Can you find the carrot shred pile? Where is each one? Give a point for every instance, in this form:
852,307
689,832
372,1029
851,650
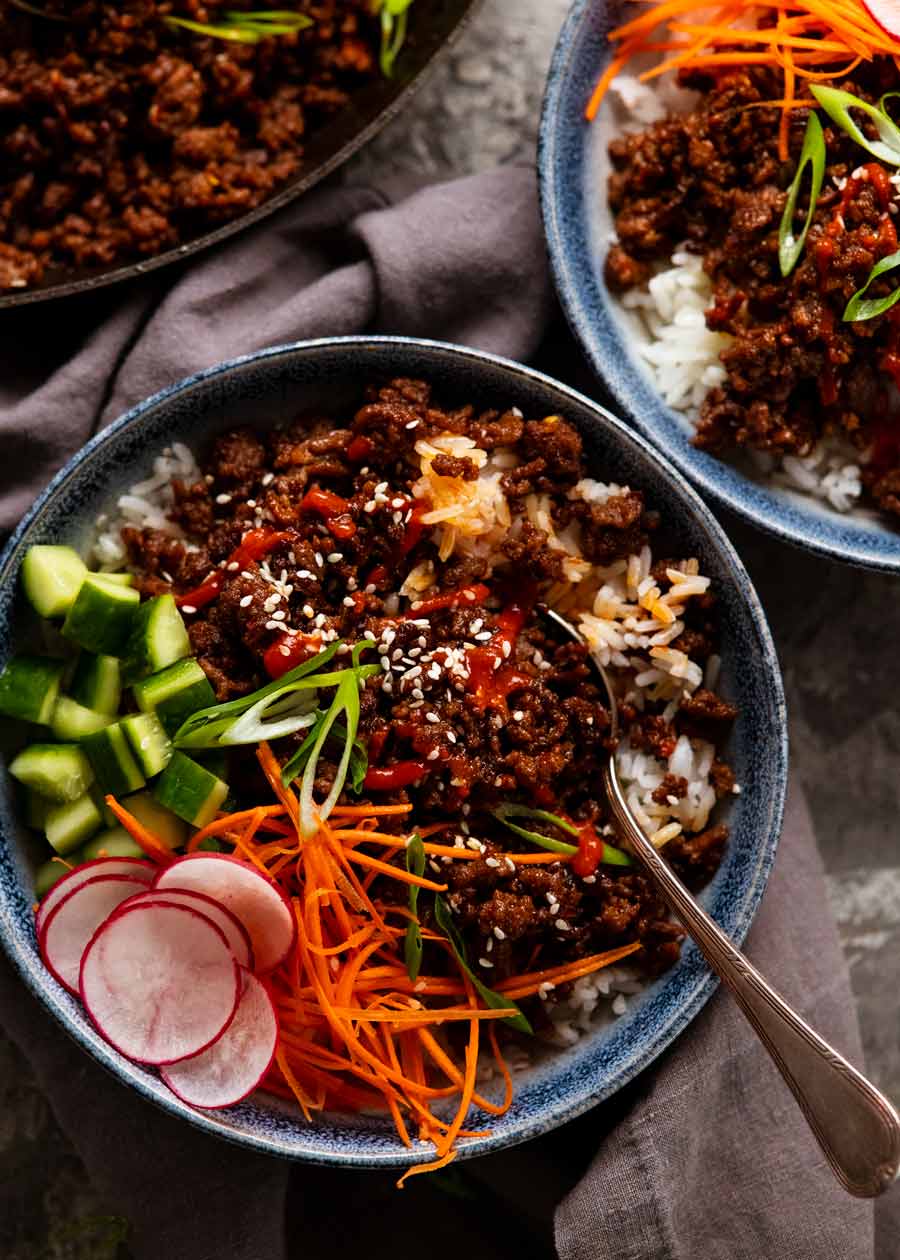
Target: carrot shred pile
356,1033
814,40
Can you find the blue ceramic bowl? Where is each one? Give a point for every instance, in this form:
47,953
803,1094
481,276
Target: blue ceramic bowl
275,384
573,167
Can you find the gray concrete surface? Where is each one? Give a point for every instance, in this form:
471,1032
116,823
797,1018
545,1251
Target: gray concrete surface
837,630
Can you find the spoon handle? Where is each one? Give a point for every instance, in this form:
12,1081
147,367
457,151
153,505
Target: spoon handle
855,1125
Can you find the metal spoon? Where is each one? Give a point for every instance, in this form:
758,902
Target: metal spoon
855,1125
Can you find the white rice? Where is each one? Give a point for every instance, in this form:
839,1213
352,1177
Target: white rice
145,504
682,355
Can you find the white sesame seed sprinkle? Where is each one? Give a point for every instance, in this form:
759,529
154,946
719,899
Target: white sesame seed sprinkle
188,608
334,556
222,499
348,601
246,601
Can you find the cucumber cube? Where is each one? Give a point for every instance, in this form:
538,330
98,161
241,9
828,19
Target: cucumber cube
51,577
49,874
158,639
149,742
102,615
29,686
189,791
97,683
175,693
161,822
117,579
114,842
68,826
114,765
72,721
60,772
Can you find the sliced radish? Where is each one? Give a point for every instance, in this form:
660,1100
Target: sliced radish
135,868
160,982
72,922
235,1064
260,905
887,14
235,932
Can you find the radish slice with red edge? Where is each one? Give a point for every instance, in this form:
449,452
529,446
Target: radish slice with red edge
160,982
134,868
259,904
237,1063
887,14
235,932
72,922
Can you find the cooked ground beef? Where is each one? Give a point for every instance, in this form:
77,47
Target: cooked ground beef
334,511
121,137
713,178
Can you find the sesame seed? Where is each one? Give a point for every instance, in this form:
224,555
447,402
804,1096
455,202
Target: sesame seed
268,479
251,503
498,932
485,962
491,861
369,634
590,879
334,556
274,625
381,487
518,715
412,424
223,499
308,610
385,662
369,506
506,647
433,755
451,737
246,601
232,566
562,926
319,560
245,573
398,503
188,608
511,864
305,573
418,693
348,601
490,945
432,717
280,615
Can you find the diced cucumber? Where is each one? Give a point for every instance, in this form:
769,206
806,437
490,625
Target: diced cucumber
175,693
97,683
158,639
168,829
117,579
114,765
102,615
60,772
29,686
68,826
149,742
115,842
98,796
72,721
189,791
52,577
49,874
36,809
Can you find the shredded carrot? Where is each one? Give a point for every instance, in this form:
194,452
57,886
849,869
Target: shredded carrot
355,1031
141,835
834,34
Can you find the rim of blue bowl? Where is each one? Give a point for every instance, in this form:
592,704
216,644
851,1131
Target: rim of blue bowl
565,1108
563,162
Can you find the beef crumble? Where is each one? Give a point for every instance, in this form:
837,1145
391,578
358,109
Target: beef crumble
121,137
466,713
712,178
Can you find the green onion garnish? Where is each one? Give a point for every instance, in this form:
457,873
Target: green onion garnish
359,759
33,11
812,154
412,945
346,705
857,309
394,16
611,855
837,105
247,26
496,1001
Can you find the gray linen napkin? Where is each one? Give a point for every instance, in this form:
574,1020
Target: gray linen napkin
705,1156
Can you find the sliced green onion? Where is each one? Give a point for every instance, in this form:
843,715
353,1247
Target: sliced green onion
412,945
496,1001
394,18
247,27
857,309
611,855
345,704
218,717
273,717
812,154
359,758
505,812
837,105
33,11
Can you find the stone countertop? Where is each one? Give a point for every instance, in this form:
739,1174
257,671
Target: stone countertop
837,632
